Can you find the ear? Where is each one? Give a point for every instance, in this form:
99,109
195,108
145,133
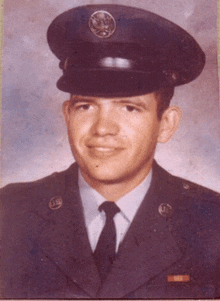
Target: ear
169,123
66,109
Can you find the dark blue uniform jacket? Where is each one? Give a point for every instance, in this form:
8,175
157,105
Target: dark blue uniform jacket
46,253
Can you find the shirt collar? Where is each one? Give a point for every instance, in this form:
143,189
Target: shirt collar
128,204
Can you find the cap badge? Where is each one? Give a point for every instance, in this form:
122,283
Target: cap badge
165,210
55,203
102,24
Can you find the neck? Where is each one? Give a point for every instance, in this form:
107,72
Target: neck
115,190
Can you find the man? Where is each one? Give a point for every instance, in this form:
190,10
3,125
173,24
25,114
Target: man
115,224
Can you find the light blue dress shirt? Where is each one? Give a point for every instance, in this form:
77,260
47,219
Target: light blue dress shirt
95,220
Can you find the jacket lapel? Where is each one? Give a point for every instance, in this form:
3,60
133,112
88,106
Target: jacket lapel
148,247
63,238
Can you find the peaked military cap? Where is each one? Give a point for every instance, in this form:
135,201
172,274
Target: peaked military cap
120,51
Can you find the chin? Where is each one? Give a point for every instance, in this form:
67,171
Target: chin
104,175
107,177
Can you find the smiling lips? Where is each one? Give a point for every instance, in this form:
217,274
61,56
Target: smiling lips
103,151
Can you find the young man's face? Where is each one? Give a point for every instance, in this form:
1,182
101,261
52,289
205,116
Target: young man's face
113,140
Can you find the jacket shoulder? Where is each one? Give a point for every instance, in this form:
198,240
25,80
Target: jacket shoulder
54,183
195,191
194,219
200,204
184,188
192,189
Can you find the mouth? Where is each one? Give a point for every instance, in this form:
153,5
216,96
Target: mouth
104,151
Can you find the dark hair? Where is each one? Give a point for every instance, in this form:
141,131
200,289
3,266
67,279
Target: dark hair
163,97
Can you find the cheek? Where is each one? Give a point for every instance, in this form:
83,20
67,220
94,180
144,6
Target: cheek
143,131
77,129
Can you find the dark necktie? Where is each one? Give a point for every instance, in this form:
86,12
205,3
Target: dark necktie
104,254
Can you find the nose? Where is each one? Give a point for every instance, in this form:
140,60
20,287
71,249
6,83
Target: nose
105,123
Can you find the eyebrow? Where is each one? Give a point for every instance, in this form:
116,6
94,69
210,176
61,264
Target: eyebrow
78,99
132,102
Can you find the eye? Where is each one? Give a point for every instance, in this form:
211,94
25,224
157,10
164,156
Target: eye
83,106
130,108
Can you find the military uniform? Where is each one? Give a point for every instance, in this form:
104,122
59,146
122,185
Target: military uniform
172,247
171,250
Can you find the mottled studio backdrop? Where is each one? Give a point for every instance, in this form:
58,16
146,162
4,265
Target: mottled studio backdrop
34,135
